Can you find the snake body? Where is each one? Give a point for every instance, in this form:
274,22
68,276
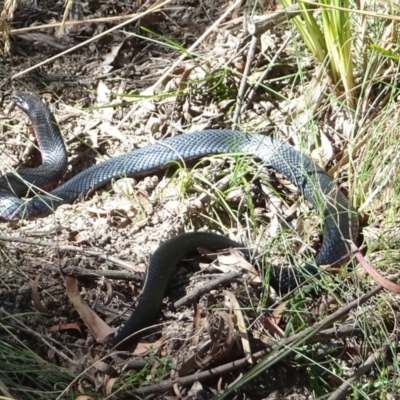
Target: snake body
340,221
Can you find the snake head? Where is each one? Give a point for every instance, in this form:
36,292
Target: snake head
26,102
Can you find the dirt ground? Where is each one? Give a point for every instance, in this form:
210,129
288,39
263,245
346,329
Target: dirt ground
129,219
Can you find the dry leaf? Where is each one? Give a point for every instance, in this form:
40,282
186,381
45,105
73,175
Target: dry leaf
66,327
79,237
270,322
104,367
99,329
110,384
241,325
143,348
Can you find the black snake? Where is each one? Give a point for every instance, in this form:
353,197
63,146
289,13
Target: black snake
340,221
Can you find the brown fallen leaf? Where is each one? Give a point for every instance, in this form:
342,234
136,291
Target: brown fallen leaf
80,237
271,322
109,385
84,397
104,367
99,329
241,325
277,313
66,327
197,315
124,223
143,348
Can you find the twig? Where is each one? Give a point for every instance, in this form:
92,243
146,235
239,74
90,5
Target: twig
243,83
341,391
279,349
206,287
206,198
254,87
87,252
109,274
336,333
259,25
198,41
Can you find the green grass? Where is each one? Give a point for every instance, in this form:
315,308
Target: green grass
26,375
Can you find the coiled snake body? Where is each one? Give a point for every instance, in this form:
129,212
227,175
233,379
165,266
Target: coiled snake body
340,222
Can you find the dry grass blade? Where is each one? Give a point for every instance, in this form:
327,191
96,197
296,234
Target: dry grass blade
241,324
68,7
